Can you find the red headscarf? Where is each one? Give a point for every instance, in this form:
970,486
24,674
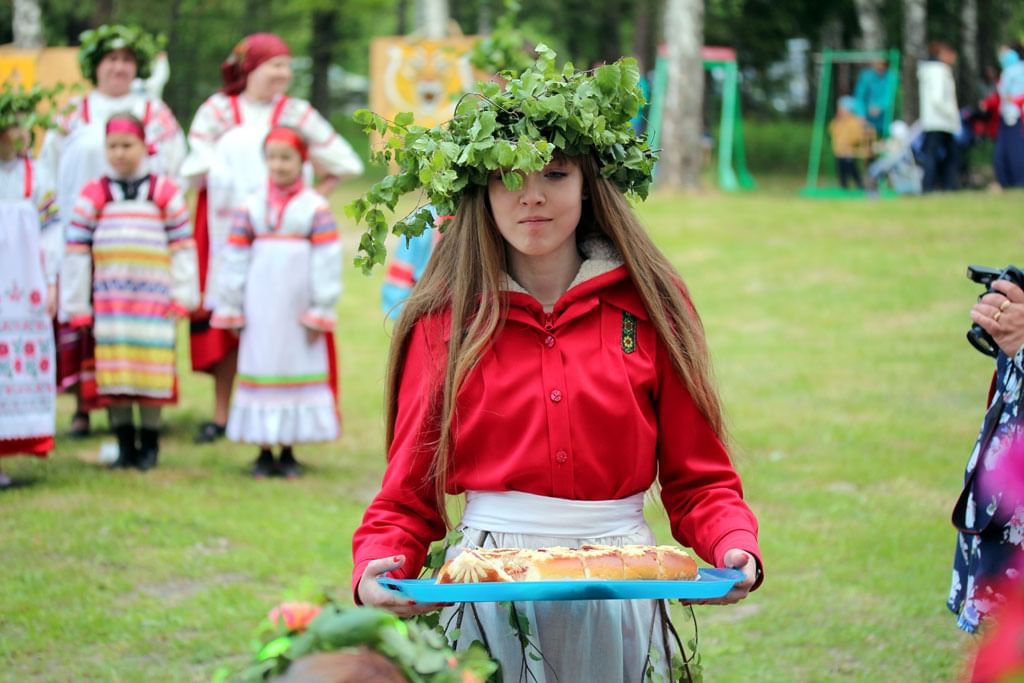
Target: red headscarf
290,137
250,52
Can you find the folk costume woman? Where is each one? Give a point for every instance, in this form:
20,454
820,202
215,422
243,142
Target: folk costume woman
111,57
279,282
550,366
29,253
129,273
226,162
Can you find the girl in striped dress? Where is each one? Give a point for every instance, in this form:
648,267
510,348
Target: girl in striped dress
279,283
130,272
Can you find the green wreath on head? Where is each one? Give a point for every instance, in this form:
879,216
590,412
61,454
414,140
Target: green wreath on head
20,107
98,43
513,131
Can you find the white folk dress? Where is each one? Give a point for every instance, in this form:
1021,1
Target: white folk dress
130,271
279,284
28,391
226,141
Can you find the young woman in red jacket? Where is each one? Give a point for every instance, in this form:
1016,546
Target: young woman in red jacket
550,366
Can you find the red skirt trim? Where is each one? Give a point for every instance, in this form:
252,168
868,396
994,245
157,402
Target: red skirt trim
207,345
76,364
332,373
38,446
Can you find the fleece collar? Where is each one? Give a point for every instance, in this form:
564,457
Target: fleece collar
599,257
602,276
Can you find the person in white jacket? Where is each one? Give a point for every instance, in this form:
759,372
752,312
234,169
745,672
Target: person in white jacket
939,117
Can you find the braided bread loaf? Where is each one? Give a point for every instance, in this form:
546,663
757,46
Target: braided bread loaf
481,565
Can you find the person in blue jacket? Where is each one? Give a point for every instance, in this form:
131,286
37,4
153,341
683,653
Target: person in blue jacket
407,264
873,93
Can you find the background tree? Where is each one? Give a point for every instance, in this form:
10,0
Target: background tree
644,28
872,31
432,18
970,71
324,35
27,24
682,117
915,16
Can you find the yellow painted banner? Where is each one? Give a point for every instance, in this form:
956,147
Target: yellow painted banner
426,77
47,67
18,69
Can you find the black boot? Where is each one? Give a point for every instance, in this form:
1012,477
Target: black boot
149,448
263,467
287,465
127,455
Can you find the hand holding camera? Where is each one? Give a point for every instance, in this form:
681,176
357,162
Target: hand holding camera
999,314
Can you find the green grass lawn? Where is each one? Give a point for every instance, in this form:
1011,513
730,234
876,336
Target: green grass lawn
837,330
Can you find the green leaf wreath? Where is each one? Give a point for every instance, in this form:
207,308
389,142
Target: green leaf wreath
98,42
21,107
513,131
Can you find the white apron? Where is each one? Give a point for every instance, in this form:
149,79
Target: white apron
237,170
283,395
617,633
28,391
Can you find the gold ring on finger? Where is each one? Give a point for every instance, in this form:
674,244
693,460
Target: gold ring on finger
1003,306
996,316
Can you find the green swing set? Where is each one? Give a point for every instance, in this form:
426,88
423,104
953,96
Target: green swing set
826,105
733,174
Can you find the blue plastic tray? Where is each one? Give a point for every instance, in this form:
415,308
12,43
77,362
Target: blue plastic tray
710,583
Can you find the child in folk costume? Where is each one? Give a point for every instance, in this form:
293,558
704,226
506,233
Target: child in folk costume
279,282
551,367
226,162
406,267
73,153
29,255
130,272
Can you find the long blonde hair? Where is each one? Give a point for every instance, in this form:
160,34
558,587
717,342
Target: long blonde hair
465,275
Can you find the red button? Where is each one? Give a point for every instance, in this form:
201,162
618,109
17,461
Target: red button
556,396
561,457
549,341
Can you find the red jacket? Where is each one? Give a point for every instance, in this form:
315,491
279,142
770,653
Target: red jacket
563,405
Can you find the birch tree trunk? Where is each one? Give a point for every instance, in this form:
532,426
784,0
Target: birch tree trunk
872,32
970,72
682,120
27,24
915,15
432,18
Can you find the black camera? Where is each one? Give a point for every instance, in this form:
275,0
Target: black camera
979,338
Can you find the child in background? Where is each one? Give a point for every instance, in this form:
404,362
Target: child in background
279,283
406,266
851,140
130,271
895,161
28,267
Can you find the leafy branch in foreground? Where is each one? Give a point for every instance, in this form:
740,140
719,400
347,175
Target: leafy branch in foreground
421,653
511,131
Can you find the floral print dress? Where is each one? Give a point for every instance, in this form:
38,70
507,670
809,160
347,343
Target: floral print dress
989,515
